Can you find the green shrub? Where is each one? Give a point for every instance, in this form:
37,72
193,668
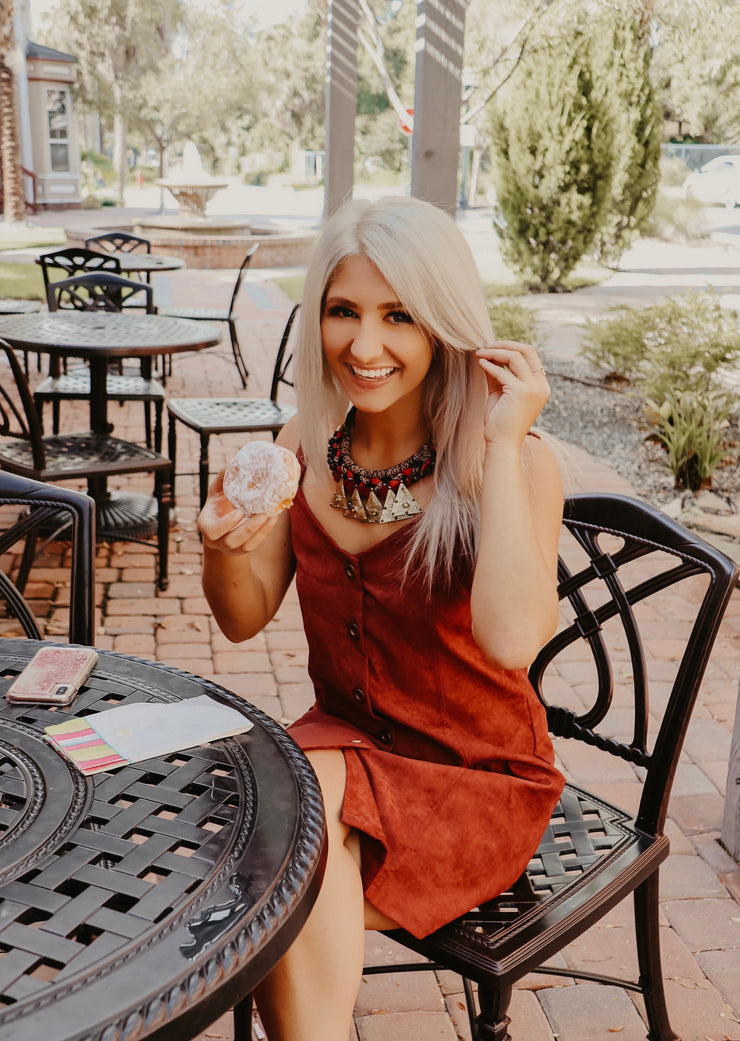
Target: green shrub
690,425
512,321
680,343
677,220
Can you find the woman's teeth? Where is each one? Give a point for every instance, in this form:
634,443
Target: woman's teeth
372,374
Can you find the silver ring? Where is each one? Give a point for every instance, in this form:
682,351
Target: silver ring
541,369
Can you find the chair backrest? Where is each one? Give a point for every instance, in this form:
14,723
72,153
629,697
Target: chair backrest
97,291
240,276
62,263
623,556
281,372
119,242
29,509
19,418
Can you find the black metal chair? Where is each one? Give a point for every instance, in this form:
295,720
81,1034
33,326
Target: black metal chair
623,554
119,242
228,315
30,510
75,260
89,456
101,291
209,416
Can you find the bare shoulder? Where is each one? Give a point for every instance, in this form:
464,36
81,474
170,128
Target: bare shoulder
288,436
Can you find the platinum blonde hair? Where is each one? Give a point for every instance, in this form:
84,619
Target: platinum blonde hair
421,253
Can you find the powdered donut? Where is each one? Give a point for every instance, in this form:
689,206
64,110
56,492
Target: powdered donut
262,478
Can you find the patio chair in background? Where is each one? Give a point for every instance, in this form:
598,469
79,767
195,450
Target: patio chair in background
101,291
30,510
211,416
89,456
228,315
623,554
119,242
75,260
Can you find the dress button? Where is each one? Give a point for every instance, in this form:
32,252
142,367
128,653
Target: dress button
358,694
386,737
349,570
353,631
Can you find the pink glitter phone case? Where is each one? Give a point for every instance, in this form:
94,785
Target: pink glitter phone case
53,675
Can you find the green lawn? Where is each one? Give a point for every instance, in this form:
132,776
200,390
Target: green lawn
21,281
25,236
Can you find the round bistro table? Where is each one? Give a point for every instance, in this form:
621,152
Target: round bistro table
145,902
102,337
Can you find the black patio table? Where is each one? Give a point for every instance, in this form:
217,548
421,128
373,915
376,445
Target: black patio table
146,901
143,263
102,337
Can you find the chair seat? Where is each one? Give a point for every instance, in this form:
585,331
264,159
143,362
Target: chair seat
591,855
77,385
220,415
81,455
203,314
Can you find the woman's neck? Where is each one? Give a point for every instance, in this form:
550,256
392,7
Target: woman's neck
379,440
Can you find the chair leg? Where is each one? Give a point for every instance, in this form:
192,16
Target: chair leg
27,558
148,424
493,1022
243,1019
163,492
172,450
647,935
237,352
203,469
158,434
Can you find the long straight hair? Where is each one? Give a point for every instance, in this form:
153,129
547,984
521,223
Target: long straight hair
421,253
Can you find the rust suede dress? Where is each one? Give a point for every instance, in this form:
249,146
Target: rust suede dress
450,772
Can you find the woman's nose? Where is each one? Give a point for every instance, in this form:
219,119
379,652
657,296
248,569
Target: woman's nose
367,344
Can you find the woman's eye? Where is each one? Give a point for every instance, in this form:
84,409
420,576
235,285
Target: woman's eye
339,311
398,317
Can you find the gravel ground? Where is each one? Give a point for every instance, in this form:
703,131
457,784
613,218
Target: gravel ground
610,424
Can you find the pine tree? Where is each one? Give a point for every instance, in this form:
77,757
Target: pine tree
553,162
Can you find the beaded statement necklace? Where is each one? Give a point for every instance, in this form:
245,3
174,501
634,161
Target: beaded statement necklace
375,496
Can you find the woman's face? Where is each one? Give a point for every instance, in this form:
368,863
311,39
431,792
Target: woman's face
374,350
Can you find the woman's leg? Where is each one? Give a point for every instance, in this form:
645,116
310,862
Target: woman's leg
311,992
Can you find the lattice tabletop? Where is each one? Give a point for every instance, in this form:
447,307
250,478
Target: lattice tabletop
144,902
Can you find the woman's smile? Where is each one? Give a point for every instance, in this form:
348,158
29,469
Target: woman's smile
375,351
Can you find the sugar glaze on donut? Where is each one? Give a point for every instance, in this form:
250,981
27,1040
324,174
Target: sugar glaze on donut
262,478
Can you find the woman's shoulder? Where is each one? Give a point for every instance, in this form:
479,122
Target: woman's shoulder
289,436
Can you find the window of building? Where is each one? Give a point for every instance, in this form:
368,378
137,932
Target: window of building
57,107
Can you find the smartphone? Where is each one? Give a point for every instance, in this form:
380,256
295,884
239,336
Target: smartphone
54,675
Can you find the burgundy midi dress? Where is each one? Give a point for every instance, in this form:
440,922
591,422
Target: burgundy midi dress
450,768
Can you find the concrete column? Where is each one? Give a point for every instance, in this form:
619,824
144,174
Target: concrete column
731,823
435,145
341,102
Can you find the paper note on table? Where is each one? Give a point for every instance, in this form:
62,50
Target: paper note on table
130,733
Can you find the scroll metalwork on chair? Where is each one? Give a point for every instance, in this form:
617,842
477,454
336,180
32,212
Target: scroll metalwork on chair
623,561
103,291
228,315
93,457
209,416
30,510
75,260
119,242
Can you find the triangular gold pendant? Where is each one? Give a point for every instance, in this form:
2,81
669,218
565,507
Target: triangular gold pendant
339,502
387,514
355,509
373,508
405,504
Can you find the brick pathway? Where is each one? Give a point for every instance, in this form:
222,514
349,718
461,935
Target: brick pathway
701,883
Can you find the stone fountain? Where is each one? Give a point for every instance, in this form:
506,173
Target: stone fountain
190,185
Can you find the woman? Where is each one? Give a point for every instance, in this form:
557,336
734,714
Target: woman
424,543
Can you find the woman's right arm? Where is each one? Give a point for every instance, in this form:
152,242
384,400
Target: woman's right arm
248,564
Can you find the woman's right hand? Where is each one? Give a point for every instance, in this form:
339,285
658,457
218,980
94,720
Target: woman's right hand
225,528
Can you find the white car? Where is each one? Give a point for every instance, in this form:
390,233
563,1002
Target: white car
718,181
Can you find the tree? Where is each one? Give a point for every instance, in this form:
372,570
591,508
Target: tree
14,206
118,41
622,52
553,162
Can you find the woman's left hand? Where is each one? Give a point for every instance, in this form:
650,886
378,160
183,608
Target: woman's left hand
517,389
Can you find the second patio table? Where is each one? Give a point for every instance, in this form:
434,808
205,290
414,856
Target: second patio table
102,337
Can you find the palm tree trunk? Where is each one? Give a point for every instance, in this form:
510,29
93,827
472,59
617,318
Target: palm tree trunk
14,205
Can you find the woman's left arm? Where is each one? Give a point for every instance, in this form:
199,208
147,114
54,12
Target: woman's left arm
514,600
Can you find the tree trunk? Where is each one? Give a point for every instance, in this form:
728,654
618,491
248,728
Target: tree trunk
14,203
119,143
